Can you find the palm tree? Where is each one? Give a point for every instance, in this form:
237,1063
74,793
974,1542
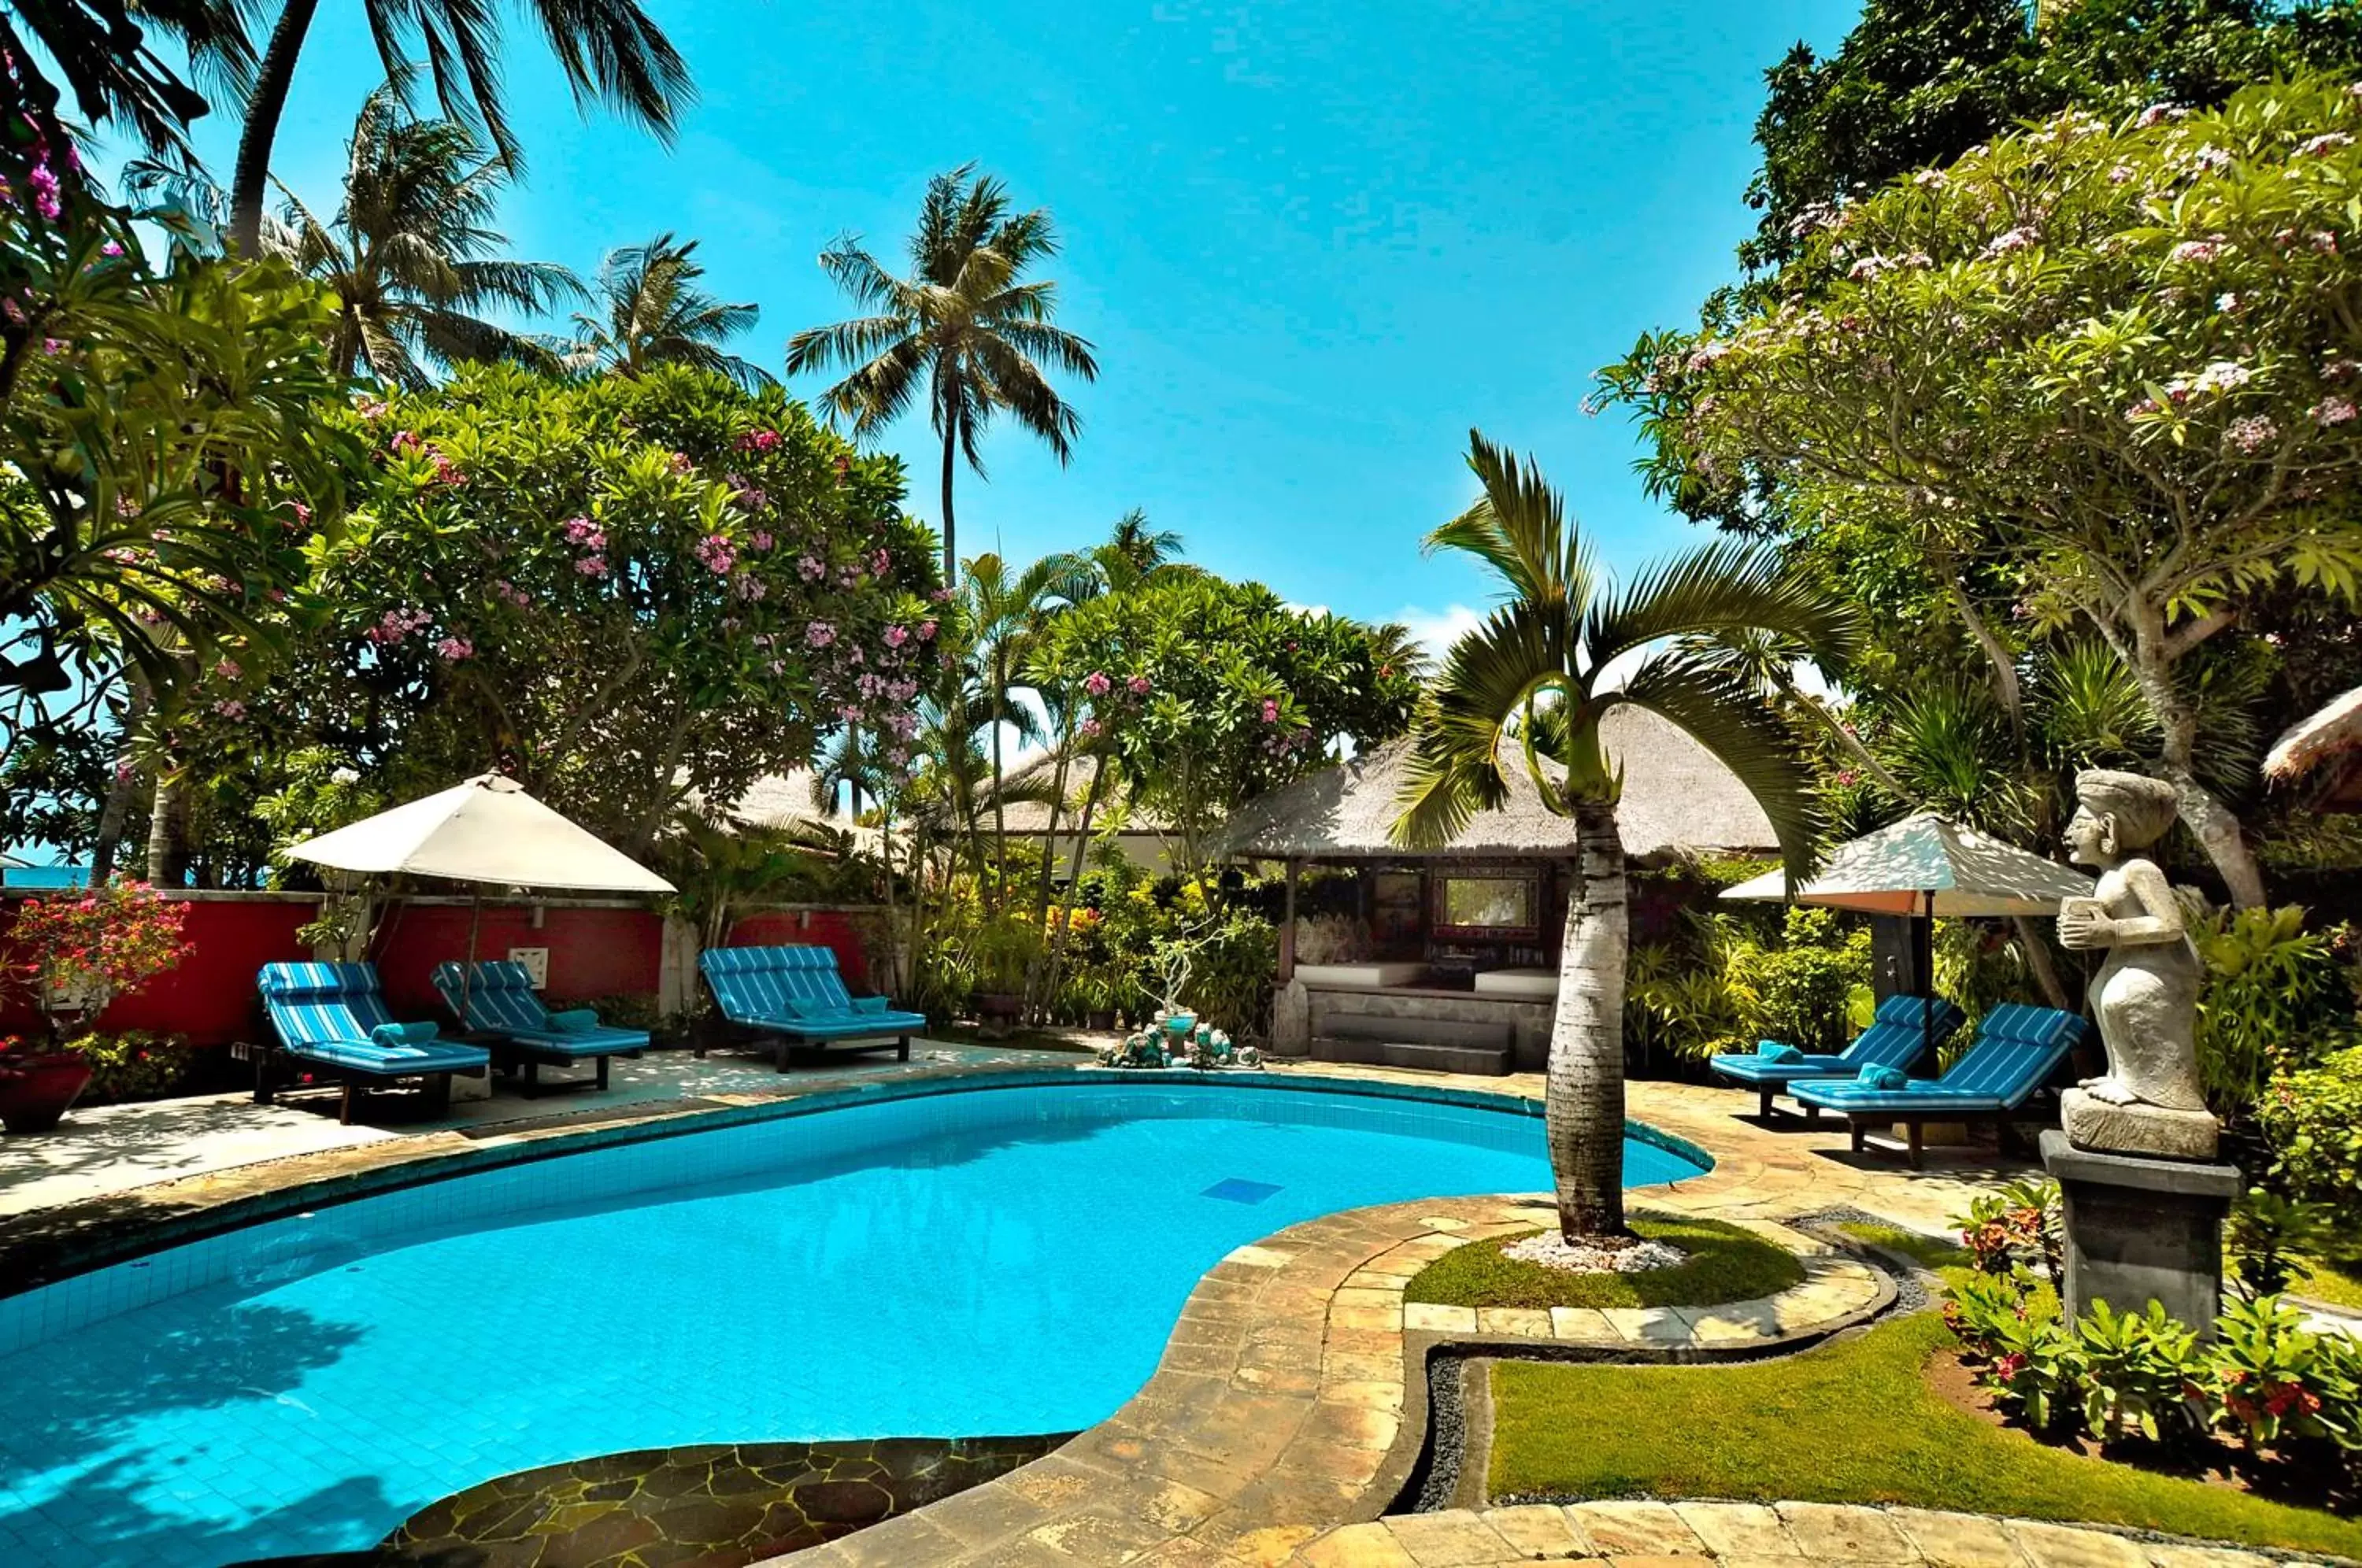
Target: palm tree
650,312
1541,656
610,50
962,327
409,251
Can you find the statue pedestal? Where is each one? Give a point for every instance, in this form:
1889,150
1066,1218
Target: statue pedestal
2141,1230
2090,1122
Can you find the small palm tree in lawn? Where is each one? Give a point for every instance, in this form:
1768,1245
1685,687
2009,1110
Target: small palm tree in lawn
963,330
1530,680
650,312
610,50
411,252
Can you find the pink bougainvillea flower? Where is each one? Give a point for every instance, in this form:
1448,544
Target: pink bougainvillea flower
2332,411
820,635
591,566
1139,685
1097,684
455,649
896,636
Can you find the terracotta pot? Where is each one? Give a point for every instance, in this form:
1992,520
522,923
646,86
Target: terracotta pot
37,1089
999,1004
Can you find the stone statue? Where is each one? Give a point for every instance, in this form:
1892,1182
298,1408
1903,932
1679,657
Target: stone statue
2146,993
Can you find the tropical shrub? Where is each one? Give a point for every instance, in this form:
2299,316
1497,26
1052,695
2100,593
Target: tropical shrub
1730,984
2269,1237
75,953
2276,1385
2276,999
133,1064
2137,1369
2312,1122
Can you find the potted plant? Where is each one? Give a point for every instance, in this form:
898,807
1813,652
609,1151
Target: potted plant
1004,954
71,955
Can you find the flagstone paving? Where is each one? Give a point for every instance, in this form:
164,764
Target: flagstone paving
1739,1535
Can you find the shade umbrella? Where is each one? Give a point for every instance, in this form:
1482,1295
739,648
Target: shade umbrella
1924,867
487,830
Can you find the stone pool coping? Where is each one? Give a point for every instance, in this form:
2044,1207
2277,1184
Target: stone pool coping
1292,1396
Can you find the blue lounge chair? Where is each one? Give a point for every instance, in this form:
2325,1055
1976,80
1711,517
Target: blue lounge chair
333,1018
500,1002
2017,1049
1902,1029
795,995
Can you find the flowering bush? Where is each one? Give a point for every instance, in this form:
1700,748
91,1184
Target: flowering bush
644,589
77,952
2312,1120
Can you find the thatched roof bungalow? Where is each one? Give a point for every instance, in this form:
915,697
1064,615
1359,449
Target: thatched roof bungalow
1451,958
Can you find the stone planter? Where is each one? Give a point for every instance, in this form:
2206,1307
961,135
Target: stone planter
37,1089
997,1013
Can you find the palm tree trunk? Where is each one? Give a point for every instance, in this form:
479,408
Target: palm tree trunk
271,80
950,547
1584,1110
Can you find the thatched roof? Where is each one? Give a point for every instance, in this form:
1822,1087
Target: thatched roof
2333,732
1677,796
2325,751
1025,798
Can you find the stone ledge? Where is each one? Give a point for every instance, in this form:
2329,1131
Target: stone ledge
1748,1534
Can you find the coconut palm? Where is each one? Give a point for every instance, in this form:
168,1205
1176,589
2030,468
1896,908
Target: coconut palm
962,330
650,312
610,50
1546,646
411,253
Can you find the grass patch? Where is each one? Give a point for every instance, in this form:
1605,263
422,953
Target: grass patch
2333,1284
1931,1253
1725,1264
1849,1422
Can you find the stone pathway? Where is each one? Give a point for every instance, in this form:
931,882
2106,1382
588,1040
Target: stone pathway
1661,1535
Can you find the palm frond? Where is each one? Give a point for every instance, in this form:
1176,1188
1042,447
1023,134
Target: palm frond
1518,527
1729,586
1490,677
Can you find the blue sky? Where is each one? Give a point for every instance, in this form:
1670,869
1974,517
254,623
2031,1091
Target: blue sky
1312,242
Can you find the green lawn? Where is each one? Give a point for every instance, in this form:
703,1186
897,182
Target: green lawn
2337,1284
1725,1264
1849,1422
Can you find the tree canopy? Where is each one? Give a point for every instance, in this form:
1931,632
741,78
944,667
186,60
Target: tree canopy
2118,363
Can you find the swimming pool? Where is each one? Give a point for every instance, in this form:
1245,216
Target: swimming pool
998,1260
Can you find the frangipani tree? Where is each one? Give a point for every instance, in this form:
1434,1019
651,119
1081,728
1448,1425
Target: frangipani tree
2121,362
1530,684
1208,692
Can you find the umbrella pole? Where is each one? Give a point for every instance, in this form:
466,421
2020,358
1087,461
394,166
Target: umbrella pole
1925,940
468,963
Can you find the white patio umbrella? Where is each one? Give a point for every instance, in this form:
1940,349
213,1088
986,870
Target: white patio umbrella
1924,866
487,830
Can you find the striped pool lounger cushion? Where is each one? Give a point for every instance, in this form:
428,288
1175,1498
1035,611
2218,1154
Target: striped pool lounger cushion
330,1012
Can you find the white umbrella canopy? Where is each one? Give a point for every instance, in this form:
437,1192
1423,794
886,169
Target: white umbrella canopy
1925,866
487,830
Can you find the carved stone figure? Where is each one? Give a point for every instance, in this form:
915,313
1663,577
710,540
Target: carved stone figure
2146,993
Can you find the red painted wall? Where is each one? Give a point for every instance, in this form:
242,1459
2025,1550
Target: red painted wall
210,997
808,928
592,953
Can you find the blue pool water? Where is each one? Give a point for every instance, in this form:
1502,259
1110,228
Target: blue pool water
1003,1261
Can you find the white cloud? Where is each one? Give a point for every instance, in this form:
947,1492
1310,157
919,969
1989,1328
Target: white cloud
1437,630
